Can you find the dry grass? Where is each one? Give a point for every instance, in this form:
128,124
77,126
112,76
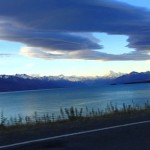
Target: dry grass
69,115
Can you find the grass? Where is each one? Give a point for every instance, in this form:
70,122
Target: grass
73,114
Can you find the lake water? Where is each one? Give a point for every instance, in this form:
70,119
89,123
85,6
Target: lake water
28,102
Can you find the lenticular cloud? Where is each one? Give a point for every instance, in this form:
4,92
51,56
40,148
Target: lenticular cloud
63,29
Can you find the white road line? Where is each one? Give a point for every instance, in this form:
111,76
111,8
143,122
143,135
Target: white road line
72,134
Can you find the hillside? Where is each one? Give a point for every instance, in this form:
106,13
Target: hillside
21,82
133,77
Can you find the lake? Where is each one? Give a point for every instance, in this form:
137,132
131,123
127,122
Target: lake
41,101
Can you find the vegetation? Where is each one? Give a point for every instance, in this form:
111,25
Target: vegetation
74,114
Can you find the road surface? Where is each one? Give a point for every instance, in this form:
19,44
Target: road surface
131,136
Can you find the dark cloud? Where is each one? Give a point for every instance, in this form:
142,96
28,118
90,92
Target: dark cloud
50,40
71,15
140,42
63,27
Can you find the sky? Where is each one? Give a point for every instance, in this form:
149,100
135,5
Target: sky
74,37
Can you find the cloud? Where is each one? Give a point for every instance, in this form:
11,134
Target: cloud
63,29
50,40
82,55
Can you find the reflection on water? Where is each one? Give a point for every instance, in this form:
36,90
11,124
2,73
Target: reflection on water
27,102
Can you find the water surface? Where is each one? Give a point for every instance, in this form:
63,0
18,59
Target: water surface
41,101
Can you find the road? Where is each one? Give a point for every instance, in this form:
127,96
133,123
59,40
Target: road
132,136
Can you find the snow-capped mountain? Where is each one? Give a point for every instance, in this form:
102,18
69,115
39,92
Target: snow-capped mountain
113,74
25,82
24,76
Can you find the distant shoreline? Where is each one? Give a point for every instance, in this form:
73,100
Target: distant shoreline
138,82
21,91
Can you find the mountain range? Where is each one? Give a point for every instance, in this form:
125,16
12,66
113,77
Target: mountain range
21,82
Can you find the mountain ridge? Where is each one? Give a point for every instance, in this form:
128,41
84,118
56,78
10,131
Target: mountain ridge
21,82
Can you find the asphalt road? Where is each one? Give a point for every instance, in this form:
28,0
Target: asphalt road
135,137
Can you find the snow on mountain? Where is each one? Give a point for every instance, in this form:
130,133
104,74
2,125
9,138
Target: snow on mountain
24,76
4,76
112,74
